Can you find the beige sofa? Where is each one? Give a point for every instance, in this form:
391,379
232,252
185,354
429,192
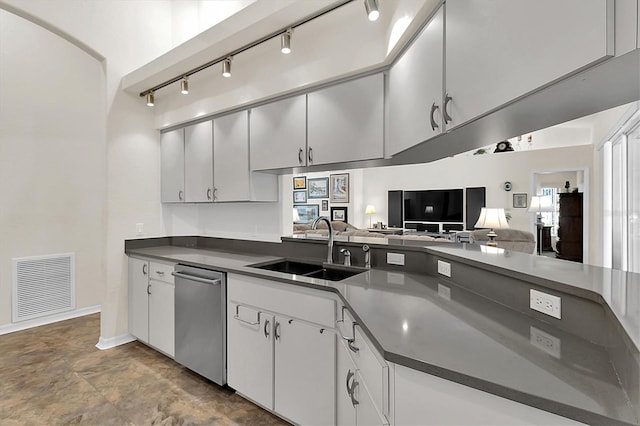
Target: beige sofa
508,239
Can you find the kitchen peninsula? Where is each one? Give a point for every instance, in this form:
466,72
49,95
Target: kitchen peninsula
473,330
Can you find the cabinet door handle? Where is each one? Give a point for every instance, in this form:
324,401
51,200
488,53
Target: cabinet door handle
350,375
148,288
354,386
266,329
144,269
434,125
208,193
350,343
445,114
276,331
310,155
215,193
180,195
300,156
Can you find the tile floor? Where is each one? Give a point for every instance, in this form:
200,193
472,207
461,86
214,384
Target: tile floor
54,375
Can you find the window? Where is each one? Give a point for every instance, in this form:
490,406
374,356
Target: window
620,207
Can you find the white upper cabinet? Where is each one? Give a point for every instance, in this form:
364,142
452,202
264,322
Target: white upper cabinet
500,50
231,157
346,121
231,176
172,167
278,134
415,90
198,160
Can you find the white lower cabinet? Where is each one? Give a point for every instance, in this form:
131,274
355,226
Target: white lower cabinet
162,316
151,304
423,399
250,353
354,405
282,362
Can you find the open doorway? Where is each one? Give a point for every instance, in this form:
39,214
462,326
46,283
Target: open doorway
568,243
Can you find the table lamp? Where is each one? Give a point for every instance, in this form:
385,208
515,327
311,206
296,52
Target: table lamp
370,210
492,219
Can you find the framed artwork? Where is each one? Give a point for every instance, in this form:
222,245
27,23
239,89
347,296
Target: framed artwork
325,205
300,182
339,189
307,212
339,213
318,188
520,201
300,197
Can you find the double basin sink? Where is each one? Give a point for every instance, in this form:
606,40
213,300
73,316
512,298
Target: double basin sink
324,271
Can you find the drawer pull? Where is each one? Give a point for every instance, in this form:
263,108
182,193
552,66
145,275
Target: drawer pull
237,317
160,273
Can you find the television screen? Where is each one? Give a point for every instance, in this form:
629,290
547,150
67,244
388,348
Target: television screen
442,205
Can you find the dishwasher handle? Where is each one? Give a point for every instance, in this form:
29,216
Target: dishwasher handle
194,278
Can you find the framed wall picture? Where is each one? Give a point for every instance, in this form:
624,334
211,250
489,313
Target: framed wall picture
325,205
300,197
339,188
339,213
318,187
307,212
300,182
520,201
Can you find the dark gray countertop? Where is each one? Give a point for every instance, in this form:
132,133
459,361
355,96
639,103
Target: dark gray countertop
461,336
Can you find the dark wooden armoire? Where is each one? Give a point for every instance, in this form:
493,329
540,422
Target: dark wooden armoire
569,246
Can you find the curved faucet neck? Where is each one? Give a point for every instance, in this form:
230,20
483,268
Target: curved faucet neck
314,225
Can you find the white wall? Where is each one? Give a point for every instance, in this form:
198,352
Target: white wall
53,177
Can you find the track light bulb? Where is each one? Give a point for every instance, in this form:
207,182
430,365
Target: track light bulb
285,42
371,6
226,67
184,86
150,99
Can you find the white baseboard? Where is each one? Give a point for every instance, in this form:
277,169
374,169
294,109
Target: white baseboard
12,328
112,342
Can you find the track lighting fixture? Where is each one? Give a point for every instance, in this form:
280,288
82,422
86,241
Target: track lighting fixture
285,42
184,86
226,67
371,6
285,47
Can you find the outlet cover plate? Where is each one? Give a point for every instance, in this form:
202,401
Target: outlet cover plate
444,268
395,259
545,303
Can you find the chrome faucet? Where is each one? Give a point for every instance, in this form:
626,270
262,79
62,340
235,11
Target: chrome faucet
314,225
367,256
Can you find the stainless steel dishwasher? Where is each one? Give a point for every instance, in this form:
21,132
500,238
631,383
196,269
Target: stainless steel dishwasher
201,321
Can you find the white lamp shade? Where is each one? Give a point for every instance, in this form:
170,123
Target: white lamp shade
540,203
296,216
370,209
492,218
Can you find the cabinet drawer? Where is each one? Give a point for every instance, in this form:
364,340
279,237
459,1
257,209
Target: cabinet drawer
161,272
288,299
372,367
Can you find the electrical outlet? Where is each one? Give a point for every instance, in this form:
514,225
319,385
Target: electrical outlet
545,303
444,268
546,342
395,259
444,292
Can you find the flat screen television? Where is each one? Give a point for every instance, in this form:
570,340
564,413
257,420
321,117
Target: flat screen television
441,205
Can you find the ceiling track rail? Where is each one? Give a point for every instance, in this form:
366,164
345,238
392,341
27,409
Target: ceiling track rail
246,47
